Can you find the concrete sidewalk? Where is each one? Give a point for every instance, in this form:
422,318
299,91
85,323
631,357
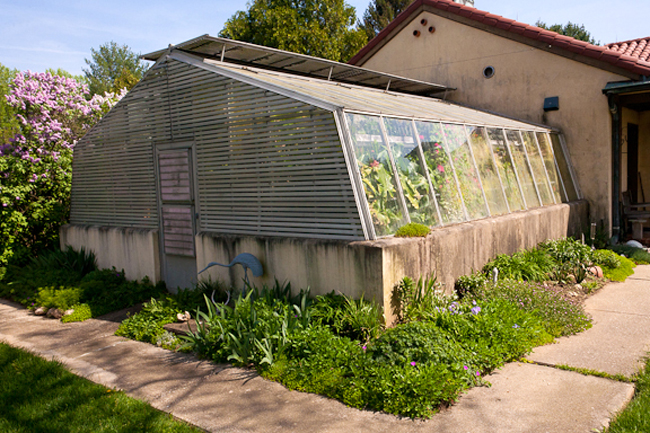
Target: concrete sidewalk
220,398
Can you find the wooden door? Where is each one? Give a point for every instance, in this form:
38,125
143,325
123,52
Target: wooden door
177,221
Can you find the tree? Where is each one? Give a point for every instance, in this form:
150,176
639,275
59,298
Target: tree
52,113
321,28
112,68
8,121
380,13
570,29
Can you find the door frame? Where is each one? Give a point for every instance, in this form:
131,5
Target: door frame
157,149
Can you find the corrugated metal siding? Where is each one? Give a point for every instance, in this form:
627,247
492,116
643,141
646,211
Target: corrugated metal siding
267,164
113,181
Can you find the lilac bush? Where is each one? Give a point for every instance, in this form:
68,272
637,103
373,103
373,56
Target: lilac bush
53,113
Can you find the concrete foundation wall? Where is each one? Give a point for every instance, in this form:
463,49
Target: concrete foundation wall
134,250
368,268
373,268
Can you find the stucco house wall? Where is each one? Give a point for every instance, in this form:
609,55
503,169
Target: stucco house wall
455,55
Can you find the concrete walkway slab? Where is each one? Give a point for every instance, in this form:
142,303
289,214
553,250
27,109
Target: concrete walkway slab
220,398
620,335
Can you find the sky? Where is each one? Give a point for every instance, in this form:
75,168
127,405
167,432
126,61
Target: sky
36,34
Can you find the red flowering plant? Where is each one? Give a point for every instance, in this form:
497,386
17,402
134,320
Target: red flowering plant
53,113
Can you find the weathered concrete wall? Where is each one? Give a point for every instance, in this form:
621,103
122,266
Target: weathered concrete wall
134,250
456,54
353,268
373,268
368,268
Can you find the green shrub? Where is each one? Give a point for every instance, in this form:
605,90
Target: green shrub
107,290
622,272
356,319
569,251
413,301
470,284
559,316
606,258
61,297
412,230
81,312
147,325
637,255
532,265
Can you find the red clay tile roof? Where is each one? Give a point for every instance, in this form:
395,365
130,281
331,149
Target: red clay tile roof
634,59
639,48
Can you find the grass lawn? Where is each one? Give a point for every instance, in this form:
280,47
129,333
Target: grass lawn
41,396
636,417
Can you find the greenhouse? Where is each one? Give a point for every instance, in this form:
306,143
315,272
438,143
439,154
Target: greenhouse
225,146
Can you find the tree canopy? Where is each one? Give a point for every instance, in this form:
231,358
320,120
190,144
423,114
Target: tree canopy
112,68
320,28
51,113
380,13
8,120
570,29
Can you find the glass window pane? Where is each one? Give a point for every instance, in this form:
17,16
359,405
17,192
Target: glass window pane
538,167
549,163
440,171
470,185
487,170
523,170
564,168
411,172
507,172
377,173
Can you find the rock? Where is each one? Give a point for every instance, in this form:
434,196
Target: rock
596,271
183,317
634,243
572,294
40,311
68,312
54,313
578,287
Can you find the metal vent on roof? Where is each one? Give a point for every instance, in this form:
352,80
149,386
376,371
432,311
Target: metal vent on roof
243,53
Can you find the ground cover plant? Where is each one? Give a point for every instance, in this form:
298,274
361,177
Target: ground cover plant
69,279
42,396
338,347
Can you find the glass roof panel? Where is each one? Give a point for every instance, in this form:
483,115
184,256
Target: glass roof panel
549,163
506,169
537,164
523,169
487,170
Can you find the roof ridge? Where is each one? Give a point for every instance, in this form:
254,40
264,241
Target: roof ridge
567,43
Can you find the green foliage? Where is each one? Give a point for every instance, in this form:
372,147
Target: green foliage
412,230
622,272
355,319
559,316
107,290
41,396
637,255
112,68
322,29
530,265
62,298
570,29
568,251
147,325
414,301
8,122
81,312
636,416
470,284
606,258
380,13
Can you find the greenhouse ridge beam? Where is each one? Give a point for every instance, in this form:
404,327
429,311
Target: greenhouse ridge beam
242,53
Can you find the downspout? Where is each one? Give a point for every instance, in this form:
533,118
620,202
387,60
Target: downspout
615,111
